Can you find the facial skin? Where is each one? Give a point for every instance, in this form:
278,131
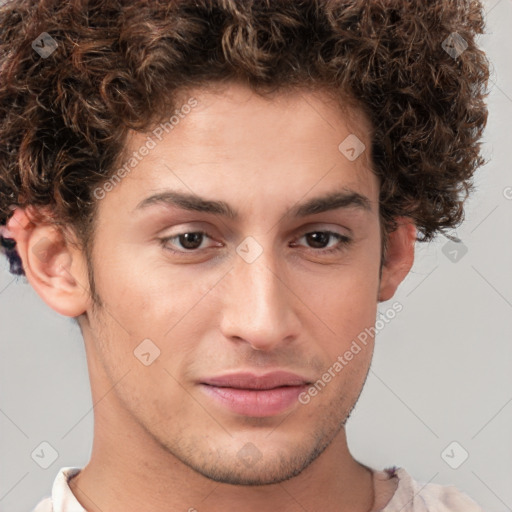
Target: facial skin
160,442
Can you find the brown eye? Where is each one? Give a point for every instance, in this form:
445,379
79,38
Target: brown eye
318,239
321,240
190,240
185,242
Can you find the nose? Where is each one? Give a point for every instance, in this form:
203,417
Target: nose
259,304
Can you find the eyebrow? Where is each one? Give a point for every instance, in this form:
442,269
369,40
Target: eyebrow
332,201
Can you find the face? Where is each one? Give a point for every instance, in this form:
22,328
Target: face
244,243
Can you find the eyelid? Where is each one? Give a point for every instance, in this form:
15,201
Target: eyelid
324,227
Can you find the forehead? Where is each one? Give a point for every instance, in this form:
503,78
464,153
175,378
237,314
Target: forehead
233,142
304,114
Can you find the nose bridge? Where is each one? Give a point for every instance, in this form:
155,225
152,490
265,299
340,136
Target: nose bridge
259,308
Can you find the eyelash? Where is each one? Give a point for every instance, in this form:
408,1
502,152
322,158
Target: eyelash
344,241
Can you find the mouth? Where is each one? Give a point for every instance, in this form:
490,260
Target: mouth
254,395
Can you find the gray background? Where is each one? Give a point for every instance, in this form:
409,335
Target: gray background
441,371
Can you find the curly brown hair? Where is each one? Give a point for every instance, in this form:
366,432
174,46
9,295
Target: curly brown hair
412,66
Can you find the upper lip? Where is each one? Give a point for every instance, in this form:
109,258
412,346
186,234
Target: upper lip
247,380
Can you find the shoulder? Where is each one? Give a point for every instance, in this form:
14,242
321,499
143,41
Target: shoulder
414,496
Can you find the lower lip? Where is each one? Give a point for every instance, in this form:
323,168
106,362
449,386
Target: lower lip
249,402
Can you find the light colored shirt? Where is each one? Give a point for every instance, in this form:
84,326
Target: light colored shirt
410,496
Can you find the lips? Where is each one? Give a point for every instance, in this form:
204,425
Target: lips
252,381
255,395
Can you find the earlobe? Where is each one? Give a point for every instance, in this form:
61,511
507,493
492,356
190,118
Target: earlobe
399,258
51,265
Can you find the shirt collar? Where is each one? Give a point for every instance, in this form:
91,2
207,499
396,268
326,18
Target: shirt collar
62,497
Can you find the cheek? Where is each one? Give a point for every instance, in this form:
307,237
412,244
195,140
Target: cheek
168,305
346,307
144,293
347,296
351,316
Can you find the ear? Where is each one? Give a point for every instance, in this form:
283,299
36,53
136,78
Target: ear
398,259
56,270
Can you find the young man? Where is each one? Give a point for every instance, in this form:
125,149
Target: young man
220,193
